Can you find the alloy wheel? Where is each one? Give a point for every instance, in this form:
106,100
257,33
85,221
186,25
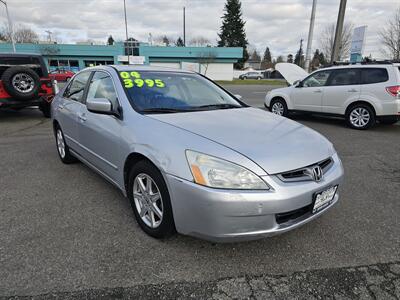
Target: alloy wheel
278,108
60,143
359,117
23,82
148,201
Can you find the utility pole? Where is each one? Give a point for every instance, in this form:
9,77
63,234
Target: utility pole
310,37
339,30
10,27
184,27
49,33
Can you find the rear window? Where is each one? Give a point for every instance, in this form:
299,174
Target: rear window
374,75
31,62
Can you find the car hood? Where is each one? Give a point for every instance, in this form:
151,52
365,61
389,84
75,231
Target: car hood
291,72
275,143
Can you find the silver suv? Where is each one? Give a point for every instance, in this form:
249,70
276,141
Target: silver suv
362,93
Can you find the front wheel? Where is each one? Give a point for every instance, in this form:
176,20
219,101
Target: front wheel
150,200
279,107
360,116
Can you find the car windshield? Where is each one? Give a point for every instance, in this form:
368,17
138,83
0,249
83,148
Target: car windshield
169,92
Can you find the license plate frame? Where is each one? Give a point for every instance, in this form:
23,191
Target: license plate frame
319,202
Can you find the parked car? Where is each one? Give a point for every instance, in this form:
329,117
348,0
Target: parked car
251,75
191,157
24,81
361,93
61,74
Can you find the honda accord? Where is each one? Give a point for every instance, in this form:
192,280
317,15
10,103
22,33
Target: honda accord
191,157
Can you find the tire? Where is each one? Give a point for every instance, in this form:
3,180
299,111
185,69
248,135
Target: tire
244,77
278,106
21,83
150,221
65,156
360,116
45,108
258,78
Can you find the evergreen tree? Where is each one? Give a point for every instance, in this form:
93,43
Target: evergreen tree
255,56
322,59
179,42
165,40
267,56
315,61
289,58
232,30
110,40
279,59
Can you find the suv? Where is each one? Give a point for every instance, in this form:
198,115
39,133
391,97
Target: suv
361,93
25,81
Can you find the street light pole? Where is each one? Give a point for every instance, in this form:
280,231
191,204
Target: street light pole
127,46
310,37
184,26
9,25
339,30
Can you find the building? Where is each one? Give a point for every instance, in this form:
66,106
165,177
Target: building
214,62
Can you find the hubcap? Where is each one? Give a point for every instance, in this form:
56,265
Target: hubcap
148,201
359,117
277,108
23,83
60,143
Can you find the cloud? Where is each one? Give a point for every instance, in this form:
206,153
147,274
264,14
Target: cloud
279,24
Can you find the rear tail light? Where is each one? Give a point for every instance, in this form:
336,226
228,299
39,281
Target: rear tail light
394,90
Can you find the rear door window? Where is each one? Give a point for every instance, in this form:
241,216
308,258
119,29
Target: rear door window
374,75
76,88
344,77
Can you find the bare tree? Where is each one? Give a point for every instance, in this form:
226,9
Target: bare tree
21,34
199,41
327,37
205,58
390,37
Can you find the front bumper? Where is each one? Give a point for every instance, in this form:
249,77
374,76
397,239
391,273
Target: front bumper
237,215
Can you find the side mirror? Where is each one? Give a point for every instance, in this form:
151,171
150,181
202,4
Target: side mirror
238,97
100,106
298,84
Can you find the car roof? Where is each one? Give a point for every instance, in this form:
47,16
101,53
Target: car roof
352,66
142,68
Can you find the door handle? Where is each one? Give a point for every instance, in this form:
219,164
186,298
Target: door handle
82,118
352,91
318,91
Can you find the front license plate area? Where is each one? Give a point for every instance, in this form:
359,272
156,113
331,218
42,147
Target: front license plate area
324,198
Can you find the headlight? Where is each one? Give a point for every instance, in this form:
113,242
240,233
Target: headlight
218,173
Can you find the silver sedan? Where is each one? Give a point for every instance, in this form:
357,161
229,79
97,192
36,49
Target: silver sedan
191,157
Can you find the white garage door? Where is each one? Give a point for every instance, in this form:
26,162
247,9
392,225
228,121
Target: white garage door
166,65
218,71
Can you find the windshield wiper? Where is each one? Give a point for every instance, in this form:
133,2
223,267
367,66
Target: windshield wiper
218,106
162,110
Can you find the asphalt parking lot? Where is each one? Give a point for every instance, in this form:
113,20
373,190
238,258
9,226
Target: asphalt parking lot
67,233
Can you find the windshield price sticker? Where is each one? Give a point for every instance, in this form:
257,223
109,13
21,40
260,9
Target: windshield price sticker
133,78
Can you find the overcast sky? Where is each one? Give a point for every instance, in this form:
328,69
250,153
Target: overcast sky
280,24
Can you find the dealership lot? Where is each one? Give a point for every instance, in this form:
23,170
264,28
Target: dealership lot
64,229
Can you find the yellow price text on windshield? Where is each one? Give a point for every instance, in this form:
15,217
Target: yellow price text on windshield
133,79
